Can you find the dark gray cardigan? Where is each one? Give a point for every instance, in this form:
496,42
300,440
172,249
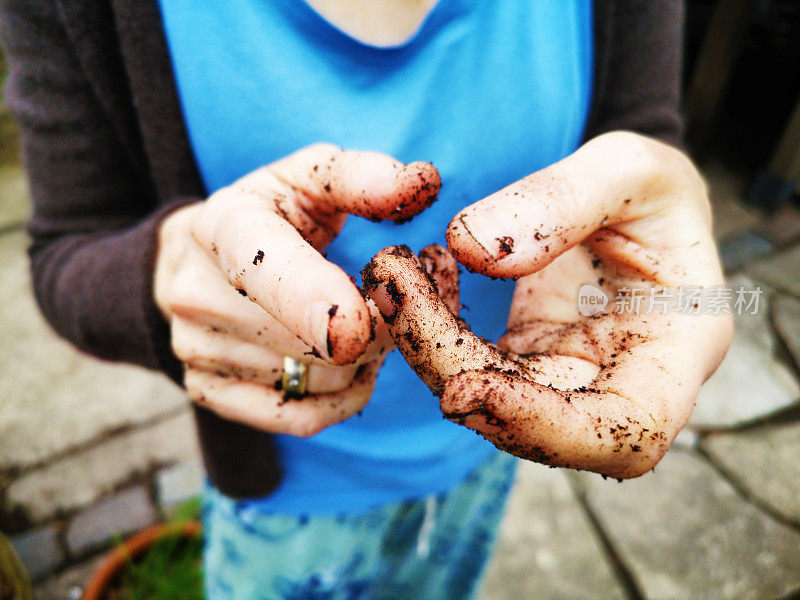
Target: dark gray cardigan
106,150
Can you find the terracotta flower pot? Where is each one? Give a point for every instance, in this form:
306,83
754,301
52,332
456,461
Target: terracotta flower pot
134,547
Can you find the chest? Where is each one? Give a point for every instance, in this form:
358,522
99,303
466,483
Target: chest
488,91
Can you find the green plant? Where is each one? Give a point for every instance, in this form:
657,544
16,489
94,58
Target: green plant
190,509
171,568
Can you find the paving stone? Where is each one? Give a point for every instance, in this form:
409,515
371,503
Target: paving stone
69,584
547,548
764,461
58,398
119,514
742,249
685,533
786,319
178,483
39,550
81,479
780,270
751,382
14,202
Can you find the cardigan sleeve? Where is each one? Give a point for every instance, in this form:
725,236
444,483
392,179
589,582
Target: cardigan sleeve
638,62
95,220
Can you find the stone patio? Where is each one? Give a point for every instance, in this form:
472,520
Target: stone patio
90,450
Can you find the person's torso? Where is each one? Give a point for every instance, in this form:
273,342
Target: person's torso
487,91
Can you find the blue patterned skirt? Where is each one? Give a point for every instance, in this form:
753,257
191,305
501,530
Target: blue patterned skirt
433,548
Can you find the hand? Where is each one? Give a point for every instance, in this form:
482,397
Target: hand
607,392
241,280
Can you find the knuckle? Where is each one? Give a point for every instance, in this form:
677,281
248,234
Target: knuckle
327,380
185,354
623,138
188,344
622,142
179,343
188,354
213,209
183,291
246,192
321,148
227,193
194,388
667,168
307,427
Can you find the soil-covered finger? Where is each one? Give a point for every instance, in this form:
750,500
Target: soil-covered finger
616,179
203,297
265,408
268,262
208,348
368,184
584,429
443,271
434,343
619,423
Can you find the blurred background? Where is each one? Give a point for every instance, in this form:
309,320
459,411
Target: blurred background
91,451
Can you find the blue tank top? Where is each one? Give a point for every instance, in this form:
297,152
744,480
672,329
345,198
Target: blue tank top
487,91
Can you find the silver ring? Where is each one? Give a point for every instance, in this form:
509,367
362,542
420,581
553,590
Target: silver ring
295,377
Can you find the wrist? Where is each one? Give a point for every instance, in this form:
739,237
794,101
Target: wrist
174,235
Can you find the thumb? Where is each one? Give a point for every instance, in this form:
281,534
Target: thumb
615,179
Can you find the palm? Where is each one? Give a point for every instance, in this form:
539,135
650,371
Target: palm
607,392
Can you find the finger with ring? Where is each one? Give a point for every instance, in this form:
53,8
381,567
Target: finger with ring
295,378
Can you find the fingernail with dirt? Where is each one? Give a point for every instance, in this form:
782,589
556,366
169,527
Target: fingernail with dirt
383,300
317,319
486,424
495,230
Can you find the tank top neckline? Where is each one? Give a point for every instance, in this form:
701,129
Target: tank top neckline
310,19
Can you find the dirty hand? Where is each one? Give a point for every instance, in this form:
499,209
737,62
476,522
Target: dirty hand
241,280
606,392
